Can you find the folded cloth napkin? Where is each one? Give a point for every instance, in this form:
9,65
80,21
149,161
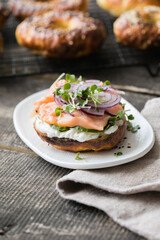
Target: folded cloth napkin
129,193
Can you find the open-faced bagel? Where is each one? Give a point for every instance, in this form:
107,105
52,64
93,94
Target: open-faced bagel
103,142
4,14
27,8
118,7
61,34
139,28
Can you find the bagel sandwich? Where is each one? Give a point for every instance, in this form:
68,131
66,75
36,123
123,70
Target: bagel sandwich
78,115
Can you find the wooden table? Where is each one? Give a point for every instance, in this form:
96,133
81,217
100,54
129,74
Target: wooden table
30,207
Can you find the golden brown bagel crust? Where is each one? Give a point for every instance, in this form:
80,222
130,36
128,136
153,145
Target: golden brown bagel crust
104,142
118,7
4,14
61,34
27,8
139,28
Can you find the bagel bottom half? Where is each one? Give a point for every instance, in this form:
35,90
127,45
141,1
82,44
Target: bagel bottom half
103,142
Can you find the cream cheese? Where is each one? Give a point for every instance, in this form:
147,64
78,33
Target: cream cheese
73,133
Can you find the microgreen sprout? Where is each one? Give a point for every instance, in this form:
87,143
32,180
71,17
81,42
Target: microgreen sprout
72,79
132,128
58,111
117,154
121,115
58,79
67,86
107,82
77,157
77,99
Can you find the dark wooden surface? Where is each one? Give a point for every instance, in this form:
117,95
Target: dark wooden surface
30,207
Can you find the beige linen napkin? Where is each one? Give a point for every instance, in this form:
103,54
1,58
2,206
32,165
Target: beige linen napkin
129,193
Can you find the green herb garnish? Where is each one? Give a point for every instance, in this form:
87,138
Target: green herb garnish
77,157
60,129
58,111
117,154
112,120
130,117
87,130
67,86
70,78
78,99
59,78
107,82
132,128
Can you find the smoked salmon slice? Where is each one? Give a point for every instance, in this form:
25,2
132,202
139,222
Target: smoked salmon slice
46,106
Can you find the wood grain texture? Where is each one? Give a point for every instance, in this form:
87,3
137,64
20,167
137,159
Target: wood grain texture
30,207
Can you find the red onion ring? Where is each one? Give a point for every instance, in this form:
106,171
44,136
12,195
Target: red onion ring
108,104
93,112
108,99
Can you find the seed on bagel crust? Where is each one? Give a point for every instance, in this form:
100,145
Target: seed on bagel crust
27,8
139,28
61,35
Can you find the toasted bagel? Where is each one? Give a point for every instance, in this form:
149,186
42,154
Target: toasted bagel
139,28
104,142
27,8
118,7
61,34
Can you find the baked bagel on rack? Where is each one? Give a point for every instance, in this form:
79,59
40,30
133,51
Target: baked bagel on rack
4,14
27,8
139,28
61,34
118,7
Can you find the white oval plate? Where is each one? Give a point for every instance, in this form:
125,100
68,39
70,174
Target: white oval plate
135,146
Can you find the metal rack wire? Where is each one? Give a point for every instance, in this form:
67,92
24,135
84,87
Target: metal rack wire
16,60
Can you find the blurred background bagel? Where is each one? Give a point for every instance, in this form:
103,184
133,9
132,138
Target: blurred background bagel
117,7
139,28
4,14
61,34
26,8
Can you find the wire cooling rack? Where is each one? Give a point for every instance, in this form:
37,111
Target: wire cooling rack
16,60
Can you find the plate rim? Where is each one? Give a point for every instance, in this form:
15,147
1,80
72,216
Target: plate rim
77,165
